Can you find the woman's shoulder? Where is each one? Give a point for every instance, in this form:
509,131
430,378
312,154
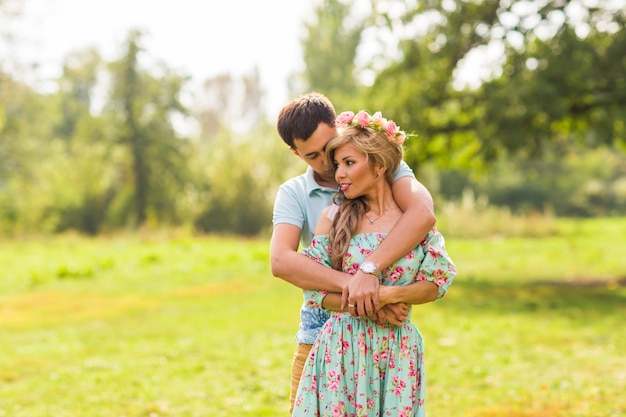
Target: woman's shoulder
325,220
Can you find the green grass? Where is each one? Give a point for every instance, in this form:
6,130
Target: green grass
174,325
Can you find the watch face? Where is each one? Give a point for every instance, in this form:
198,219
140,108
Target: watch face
368,267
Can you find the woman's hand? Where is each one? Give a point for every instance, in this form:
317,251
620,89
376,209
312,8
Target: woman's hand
395,312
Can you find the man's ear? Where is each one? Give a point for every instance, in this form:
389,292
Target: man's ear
295,152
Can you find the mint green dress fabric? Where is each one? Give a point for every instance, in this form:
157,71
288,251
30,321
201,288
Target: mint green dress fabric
358,367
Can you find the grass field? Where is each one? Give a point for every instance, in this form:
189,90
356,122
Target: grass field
173,325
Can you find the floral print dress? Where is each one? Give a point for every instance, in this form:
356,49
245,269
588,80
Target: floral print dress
358,367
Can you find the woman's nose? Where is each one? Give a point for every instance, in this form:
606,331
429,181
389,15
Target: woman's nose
339,173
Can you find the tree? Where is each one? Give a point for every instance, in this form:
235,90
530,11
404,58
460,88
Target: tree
236,170
559,77
567,88
142,107
330,51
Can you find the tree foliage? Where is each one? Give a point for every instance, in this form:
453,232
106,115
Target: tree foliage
554,85
104,150
330,50
142,107
107,132
560,77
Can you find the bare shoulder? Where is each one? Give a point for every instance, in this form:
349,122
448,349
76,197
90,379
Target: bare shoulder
324,222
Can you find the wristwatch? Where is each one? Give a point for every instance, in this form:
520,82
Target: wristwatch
370,267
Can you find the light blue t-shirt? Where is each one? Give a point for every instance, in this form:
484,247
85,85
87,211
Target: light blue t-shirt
300,202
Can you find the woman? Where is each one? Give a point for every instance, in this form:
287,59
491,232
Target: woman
357,366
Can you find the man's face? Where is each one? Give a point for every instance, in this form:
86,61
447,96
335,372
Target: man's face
313,151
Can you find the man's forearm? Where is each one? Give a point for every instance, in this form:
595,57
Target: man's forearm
405,236
305,273
417,219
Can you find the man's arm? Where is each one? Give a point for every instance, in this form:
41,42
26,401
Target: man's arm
417,220
298,269
393,299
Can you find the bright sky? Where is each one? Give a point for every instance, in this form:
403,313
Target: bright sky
202,38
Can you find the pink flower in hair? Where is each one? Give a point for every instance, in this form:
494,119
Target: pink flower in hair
391,128
378,119
376,122
345,118
363,118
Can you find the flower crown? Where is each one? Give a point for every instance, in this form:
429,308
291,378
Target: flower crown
376,122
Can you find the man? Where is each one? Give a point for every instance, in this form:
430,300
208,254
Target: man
306,124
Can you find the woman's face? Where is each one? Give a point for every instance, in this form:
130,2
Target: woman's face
354,174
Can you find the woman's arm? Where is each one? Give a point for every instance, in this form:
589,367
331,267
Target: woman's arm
394,300
419,292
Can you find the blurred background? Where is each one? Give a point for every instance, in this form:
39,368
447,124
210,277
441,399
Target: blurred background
139,162
119,115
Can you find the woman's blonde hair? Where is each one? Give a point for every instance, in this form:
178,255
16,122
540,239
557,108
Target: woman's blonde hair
380,152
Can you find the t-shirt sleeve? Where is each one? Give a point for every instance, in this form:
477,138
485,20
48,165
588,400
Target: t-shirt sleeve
404,170
436,266
287,207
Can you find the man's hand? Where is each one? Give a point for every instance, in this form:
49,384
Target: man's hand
360,295
396,314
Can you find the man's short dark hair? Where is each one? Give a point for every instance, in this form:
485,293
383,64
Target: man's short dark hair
301,117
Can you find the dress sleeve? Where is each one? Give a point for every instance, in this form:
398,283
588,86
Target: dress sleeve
437,266
319,252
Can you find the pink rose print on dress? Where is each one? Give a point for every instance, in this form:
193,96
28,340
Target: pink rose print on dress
434,253
353,269
384,355
399,385
396,274
359,352
338,409
333,385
